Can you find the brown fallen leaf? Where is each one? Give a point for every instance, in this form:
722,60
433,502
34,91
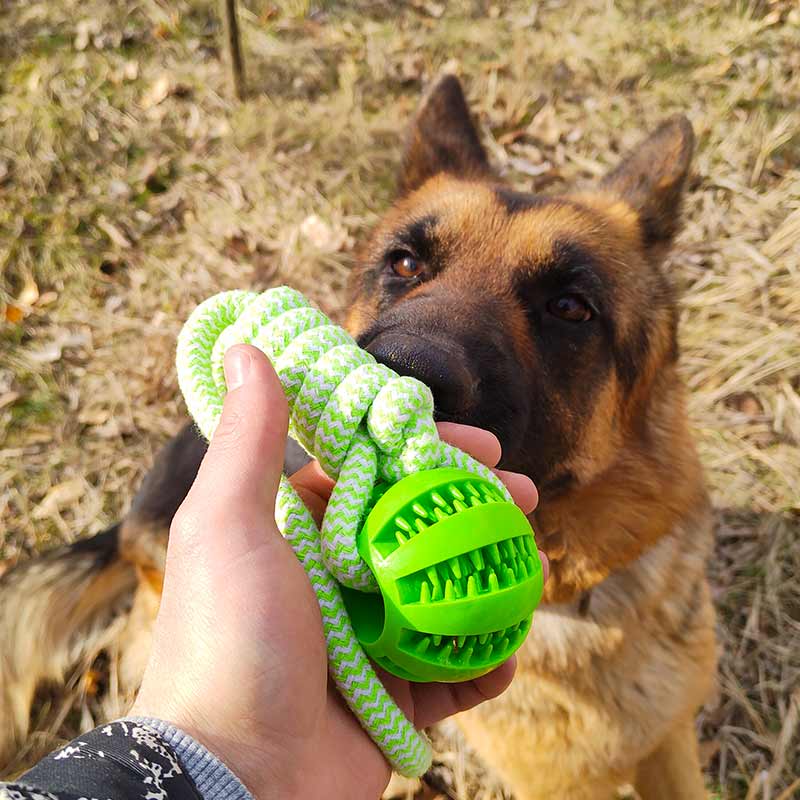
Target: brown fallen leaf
546,126
527,168
323,236
84,31
409,68
94,416
51,351
92,680
430,8
713,71
113,232
745,403
158,92
113,428
237,245
29,293
14,314
131,70
8,398
61,495
23,304
47,297
509,137
162,31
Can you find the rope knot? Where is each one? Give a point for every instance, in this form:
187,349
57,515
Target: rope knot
400,422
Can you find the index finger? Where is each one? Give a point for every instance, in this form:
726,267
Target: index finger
479,443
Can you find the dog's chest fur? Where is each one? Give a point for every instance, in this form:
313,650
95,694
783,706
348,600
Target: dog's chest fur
599,684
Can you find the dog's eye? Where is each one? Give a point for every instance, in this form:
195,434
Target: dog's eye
404,264
571,307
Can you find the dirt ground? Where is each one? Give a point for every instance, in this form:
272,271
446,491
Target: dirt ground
132,185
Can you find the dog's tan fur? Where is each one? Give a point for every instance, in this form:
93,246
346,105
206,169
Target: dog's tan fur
622,651
606,698
55,613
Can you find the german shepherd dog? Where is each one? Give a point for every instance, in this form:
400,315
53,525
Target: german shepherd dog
552,322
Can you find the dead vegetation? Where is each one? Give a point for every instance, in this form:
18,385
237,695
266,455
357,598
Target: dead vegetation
131,186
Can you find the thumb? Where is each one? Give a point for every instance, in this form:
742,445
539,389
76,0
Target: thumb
238,479
227,516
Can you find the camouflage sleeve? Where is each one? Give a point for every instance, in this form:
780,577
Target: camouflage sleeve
131,759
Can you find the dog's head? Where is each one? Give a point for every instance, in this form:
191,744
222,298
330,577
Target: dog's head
547,320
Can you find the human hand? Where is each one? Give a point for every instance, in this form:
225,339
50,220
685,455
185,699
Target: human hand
239,659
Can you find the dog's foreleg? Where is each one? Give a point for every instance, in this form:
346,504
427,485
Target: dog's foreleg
672,771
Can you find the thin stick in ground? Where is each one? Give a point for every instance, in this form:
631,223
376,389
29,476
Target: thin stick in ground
233,39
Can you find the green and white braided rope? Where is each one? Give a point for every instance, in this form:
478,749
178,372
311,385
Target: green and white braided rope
363,422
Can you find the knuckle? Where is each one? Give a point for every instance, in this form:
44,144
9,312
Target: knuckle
230,430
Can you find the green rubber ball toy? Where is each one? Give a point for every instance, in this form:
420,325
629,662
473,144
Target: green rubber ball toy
459,577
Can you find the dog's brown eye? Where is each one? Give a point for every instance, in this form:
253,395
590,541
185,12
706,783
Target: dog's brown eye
404,264
571,307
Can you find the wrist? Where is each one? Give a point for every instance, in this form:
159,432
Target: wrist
259,774
212,777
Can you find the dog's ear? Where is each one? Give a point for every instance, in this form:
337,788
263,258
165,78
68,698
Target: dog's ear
442,138
651,179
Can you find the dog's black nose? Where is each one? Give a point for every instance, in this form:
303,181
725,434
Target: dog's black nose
442,366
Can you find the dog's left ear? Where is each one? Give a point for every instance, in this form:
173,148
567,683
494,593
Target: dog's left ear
652,177
442,138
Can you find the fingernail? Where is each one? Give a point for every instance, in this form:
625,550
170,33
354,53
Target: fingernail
237,366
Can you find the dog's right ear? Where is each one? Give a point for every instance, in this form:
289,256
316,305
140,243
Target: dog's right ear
442,138
651,180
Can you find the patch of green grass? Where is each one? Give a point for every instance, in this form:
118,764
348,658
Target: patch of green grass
38,408
47,45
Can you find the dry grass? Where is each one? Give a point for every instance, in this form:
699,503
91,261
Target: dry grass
131,187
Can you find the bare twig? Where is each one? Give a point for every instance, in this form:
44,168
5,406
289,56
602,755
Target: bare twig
233,40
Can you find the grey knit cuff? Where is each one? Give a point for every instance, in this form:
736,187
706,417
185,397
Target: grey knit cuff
213,780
